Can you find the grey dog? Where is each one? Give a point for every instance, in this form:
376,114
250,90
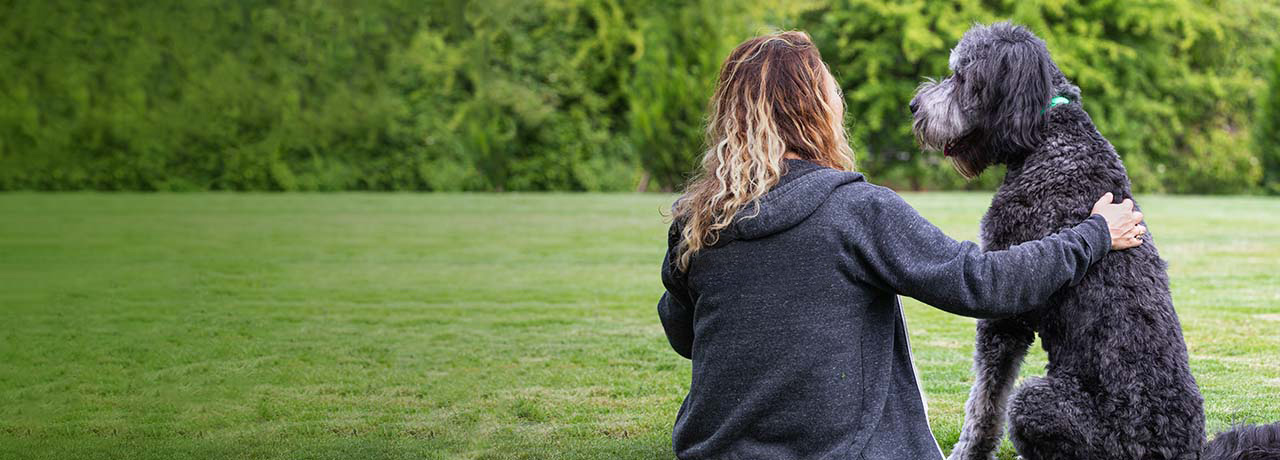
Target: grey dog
1118,384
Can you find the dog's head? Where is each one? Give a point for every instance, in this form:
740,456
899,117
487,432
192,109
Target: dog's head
992,107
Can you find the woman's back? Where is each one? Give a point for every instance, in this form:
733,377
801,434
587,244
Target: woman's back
783,313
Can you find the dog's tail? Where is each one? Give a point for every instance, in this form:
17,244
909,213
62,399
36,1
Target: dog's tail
1245,442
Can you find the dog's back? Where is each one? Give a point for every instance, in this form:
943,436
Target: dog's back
1114,342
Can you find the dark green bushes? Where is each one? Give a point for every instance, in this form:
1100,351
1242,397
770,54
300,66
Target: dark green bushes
568,95
1267,128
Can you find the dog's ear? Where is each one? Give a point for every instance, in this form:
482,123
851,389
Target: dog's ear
1019,86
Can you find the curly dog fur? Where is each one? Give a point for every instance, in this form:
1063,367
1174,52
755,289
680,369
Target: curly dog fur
1118,383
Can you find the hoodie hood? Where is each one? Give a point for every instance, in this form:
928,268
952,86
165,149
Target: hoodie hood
799,193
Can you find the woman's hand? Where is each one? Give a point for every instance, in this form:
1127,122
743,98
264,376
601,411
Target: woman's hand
1122,221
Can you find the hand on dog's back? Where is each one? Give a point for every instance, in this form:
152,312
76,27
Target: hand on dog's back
1122,221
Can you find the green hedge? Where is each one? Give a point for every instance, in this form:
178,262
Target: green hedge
1267,128
571,94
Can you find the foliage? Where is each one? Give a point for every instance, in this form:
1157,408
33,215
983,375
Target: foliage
1267,128
1169,83
567,94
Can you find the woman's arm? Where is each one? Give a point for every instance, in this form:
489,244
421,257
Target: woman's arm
913,257
675,308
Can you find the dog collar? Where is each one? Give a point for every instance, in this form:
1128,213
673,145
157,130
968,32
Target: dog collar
1056,101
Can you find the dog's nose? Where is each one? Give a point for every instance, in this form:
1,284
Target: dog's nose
914,106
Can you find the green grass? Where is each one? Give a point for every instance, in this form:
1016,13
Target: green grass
458,326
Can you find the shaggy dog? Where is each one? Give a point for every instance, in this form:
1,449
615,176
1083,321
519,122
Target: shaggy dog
1118,384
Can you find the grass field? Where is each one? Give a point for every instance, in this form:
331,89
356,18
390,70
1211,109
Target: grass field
458,326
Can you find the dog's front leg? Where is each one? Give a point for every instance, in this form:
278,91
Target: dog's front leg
998,352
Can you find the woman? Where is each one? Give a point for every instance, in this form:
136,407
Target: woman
783,270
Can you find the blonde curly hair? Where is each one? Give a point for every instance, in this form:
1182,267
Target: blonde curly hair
774,96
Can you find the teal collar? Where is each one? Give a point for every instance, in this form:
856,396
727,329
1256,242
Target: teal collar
1056,101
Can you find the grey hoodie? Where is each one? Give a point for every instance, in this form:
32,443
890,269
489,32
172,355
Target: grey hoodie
792,320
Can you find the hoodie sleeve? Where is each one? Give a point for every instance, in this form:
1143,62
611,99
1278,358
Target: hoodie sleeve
914,258
675,308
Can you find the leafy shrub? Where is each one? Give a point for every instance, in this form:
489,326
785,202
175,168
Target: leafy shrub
1267,128
574,94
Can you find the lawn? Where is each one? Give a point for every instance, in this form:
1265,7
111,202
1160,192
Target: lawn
458,326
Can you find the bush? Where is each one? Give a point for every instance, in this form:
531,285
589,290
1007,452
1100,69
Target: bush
1166,82
1267,129
569,95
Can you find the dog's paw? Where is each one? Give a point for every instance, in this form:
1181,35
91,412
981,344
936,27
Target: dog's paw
964,451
